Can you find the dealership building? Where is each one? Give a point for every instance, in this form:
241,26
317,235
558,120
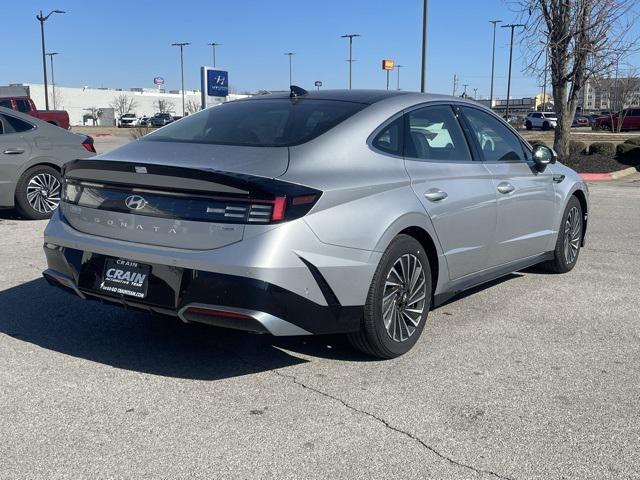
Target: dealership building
87,105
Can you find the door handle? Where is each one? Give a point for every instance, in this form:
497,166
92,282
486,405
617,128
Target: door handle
435,195
13,151
505,188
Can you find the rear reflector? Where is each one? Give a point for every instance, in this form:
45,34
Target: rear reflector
216,313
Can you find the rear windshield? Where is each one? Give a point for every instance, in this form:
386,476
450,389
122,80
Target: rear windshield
262,123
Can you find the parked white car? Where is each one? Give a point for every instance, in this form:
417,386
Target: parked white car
128,120
543,120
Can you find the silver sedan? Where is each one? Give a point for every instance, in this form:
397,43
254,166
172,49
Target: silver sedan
32,153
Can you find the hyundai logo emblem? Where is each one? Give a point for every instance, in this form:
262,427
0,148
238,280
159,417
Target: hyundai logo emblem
135,202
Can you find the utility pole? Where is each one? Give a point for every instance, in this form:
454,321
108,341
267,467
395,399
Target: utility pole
512,26
493,60
53,80
213,46
350,36
425,17
455,84
41,18
544,86
464,93
290,54
475,93
398,79
181,45
388,79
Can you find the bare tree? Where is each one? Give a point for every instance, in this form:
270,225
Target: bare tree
93,114
123,104
625,92
583,38
192,106
164,106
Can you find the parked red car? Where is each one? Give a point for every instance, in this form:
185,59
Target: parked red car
24,104
630,120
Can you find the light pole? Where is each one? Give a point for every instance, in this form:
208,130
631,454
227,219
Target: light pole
398,79
475,93
350,36
290,55
181,45
41,18
464,93
544,85
425,17
53,80
493,60
213,46
512,26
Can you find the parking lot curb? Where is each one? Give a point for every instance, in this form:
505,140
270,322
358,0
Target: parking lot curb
608,176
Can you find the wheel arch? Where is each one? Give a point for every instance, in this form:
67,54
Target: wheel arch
582,198
429,246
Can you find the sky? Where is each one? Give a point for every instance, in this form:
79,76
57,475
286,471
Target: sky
126,43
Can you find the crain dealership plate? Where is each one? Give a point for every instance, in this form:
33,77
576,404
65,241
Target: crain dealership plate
125,277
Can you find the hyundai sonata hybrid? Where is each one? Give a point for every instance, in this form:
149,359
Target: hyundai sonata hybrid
350,212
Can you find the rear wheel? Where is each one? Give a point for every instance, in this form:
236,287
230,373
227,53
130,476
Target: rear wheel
546,126
398,302
569,239
528,125
38,192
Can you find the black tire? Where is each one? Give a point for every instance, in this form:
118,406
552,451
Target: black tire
561,263
528,125
24,208
373,338
545,126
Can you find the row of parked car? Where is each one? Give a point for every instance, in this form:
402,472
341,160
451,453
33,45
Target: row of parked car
629,117
158,120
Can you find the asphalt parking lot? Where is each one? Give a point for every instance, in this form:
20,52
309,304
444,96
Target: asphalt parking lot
534,376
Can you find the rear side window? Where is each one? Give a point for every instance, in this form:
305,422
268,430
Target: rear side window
6,104
15,125
389,140
277,122
23,106
433,133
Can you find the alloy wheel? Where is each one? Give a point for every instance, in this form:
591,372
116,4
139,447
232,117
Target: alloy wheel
43,192
404,297
572,231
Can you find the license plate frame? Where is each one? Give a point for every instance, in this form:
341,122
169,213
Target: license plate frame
122,277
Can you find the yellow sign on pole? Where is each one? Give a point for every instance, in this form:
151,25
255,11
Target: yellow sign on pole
388,64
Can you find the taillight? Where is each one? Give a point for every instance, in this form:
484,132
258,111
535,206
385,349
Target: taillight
88,144
280,208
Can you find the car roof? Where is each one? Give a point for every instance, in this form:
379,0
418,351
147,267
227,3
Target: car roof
359,96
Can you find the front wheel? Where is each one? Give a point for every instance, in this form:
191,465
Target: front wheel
569,239
38,192
398,302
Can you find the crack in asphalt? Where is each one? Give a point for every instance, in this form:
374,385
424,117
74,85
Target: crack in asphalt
387,425
380,420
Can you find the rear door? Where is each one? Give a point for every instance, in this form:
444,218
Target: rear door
455,190
526,197
14,152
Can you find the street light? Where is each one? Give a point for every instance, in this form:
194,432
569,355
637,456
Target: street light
475,93
493,60
41,18
398,79
350,36
213,46
512,26
53,80
181,45
425,15
290,54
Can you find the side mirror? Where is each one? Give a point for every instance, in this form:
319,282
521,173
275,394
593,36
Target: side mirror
543,156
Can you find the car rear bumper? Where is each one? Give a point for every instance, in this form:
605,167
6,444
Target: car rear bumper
206,297
284,279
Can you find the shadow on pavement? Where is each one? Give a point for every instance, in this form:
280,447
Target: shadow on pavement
42,315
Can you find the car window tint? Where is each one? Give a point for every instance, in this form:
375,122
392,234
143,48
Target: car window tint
495,139
6,104
389,140
15,125
23,106
433,133
277,122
